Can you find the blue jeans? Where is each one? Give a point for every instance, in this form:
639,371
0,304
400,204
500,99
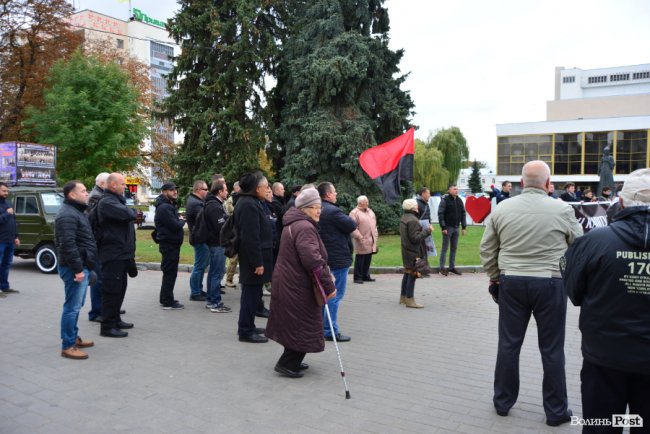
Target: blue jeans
341,276
201,261
96,294
6,258
75,294
215,275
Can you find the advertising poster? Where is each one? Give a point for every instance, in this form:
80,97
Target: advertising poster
35,164
8,162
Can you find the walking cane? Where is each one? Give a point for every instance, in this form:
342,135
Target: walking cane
338,352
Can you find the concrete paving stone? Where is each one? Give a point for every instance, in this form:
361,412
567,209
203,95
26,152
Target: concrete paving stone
408,370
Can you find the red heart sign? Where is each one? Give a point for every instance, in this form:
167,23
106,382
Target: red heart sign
478,208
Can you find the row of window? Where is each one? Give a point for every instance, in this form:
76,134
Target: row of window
575,153
612,77
569,79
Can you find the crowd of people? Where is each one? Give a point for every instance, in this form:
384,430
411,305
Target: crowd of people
301,250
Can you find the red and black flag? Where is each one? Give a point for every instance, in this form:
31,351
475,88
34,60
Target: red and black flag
390,163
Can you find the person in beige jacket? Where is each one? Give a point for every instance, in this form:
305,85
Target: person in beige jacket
364,239
524,239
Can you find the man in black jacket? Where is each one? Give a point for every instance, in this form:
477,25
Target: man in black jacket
169,227
116,247
215,217
335,228
77,255
193,206
422,199
255,252
95,312
451,215
607,273
8,239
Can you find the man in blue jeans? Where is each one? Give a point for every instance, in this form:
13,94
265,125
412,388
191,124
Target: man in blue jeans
335,228
215,218
77,254
8,239
194,205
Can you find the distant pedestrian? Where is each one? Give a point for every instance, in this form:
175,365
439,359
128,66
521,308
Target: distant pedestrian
606,195
606,274
569,194
524,239
116,247
169,227
451,216
296,320
335,229
412,235
95,313
8,239
255,252
193,206
364,239
77,255
506,188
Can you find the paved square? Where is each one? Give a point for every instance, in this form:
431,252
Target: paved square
409,370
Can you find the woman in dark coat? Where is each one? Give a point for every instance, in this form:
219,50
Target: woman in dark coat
413,248
296,319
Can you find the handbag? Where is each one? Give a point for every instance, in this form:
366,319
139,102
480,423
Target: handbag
421,266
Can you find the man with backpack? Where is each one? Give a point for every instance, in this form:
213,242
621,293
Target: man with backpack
169,227
94,314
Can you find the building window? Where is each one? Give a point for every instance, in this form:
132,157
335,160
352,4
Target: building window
631,152
120,43
597,79
568,154
569,79
619,77
515,151
640,75
594,145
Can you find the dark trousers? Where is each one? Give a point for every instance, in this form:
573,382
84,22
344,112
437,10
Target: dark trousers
169,266
96,294
607,391
291,359
114,280
362,266
250,297
449,241
408,285
546,300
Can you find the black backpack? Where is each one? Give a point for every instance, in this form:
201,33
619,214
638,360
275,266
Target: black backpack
201,228
229,237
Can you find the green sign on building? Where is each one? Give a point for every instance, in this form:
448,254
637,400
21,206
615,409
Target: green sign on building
138,15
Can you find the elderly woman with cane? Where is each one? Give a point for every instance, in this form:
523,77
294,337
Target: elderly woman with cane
414,251
296,319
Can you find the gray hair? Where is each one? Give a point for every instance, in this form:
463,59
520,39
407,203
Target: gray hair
535,174
101,179
361,199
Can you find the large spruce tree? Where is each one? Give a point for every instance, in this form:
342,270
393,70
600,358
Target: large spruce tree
217,87
338,92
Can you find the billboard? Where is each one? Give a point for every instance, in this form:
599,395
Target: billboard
27,164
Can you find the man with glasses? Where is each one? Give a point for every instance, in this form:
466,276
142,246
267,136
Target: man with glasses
194,205
8,239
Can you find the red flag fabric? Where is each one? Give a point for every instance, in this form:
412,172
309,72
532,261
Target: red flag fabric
384,158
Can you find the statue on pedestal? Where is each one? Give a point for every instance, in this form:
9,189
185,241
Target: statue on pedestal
606,171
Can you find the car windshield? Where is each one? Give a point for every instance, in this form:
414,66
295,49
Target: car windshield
52,202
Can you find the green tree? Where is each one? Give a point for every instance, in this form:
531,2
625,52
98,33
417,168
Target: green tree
338,92
217,86
428,170
474,181
94,116
452,144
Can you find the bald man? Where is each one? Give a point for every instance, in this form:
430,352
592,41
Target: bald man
116,245
524,239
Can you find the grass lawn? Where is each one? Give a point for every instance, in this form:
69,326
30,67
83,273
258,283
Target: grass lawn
389,248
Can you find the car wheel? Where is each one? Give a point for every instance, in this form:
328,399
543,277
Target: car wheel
46,260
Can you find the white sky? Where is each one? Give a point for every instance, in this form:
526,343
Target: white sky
475,63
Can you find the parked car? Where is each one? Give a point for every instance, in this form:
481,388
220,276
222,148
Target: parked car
35,209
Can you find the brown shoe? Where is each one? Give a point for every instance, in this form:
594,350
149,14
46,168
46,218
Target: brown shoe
80,343
410,302
11,291
74,353
402,299
444,271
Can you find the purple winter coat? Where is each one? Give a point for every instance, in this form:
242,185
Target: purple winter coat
296,320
